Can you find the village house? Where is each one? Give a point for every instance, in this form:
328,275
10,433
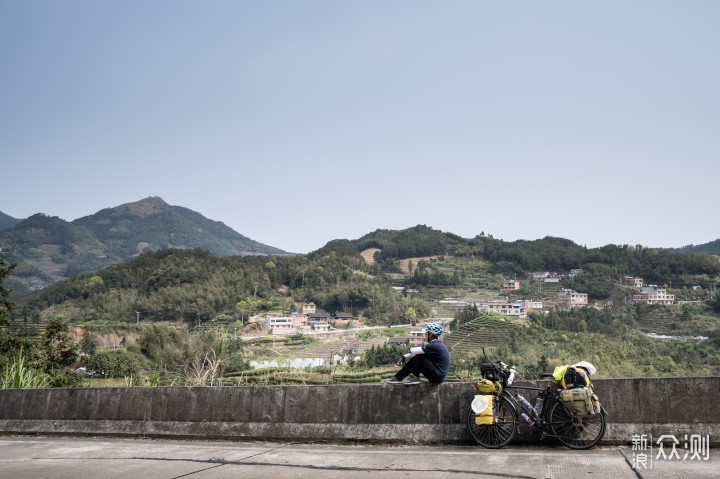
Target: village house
545,275
653,295
633,282
510,285
319,316
416,338
516,308
572,298
279,324
398,341
507,308
308,308
298,320
530,304
321,326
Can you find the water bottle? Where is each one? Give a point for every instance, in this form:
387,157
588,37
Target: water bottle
538,404
512,376
525,404
527,419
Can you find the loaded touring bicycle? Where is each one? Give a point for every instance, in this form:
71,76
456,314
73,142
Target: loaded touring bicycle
568,410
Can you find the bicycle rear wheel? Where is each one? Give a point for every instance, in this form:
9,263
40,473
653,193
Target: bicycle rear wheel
576,432
500,433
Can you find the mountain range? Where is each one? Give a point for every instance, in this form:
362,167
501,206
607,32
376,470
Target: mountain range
47,248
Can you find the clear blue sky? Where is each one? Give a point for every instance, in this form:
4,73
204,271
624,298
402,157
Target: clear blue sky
299,122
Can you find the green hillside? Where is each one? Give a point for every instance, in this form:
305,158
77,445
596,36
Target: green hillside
712,247
413,242
193,286
48,249
191,302
521,257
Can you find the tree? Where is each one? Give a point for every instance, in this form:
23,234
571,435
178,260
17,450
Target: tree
117,363
88,343
95,283
715,303
465,315
5,304
247,306
382,355
59,352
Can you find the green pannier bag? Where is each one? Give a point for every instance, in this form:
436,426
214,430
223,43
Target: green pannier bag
580,402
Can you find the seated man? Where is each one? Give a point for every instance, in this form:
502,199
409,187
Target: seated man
432,360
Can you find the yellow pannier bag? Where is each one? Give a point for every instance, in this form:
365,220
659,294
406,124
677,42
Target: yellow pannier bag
483,416
486,386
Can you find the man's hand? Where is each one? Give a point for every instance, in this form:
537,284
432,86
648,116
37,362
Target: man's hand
400,360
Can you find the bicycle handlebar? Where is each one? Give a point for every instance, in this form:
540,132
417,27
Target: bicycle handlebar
546,375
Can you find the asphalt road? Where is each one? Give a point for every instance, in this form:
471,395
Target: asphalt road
61,457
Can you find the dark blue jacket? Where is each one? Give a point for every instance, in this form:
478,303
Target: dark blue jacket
440,356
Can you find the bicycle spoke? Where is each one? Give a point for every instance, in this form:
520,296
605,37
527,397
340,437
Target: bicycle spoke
501,432
576,432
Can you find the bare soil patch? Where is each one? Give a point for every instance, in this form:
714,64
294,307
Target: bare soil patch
368,255
404,264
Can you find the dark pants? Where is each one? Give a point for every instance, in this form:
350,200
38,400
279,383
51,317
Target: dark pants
416,365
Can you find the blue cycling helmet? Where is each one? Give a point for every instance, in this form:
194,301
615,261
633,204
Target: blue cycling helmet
434,328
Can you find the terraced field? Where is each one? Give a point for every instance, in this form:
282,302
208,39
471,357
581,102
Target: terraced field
479,332
29,329
270,376
660,320
326,349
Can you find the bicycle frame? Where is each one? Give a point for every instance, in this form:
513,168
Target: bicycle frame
541,421
554,420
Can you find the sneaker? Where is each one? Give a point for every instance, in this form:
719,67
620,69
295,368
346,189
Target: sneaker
411,380
393,380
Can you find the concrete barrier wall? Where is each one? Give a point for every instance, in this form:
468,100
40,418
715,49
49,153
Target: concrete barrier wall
415,414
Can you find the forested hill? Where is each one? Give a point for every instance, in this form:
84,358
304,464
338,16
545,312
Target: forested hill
47,249
413,242
547,254
193,285
713,247
7,221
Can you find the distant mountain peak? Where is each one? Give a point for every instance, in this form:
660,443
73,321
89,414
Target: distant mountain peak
52,248
145,207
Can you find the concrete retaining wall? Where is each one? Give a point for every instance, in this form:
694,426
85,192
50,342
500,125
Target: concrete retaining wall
418,414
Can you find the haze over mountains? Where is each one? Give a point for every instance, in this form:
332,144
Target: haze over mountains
48,249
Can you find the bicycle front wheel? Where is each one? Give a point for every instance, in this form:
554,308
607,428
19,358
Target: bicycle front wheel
576,432
502,431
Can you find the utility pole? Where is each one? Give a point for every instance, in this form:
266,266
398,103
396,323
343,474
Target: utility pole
137,323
